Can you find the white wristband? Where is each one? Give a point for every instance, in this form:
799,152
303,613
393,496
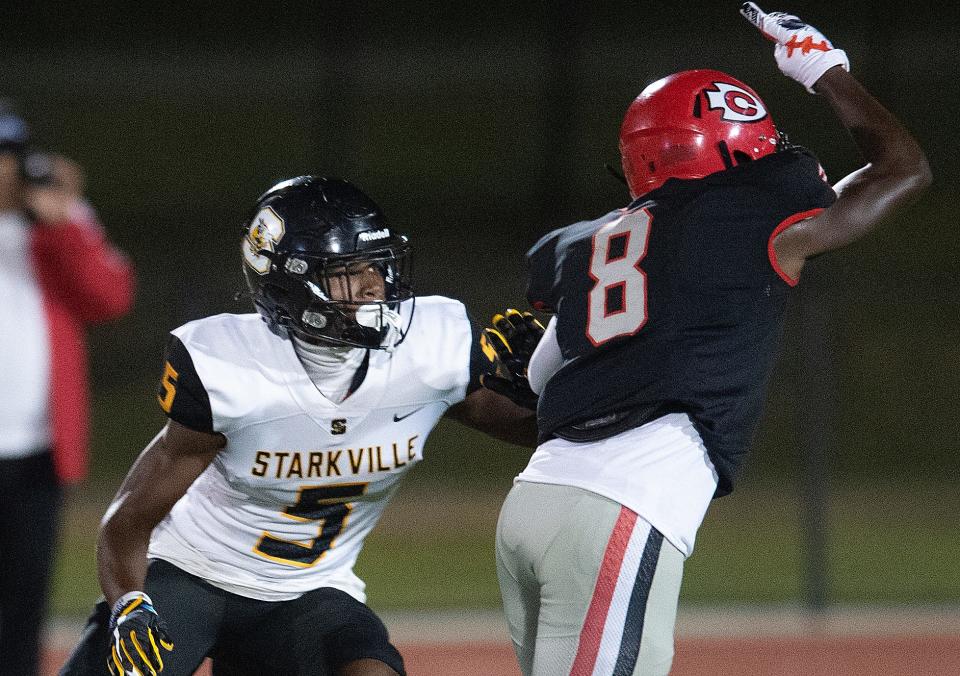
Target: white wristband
124,600
810,69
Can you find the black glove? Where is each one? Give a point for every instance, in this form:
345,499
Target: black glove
509,345
137,634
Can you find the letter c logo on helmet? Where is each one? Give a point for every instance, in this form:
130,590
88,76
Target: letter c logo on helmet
737,104
691,124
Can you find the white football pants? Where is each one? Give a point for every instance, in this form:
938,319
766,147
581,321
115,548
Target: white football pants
589,588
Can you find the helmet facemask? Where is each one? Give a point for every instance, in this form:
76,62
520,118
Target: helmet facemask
326,289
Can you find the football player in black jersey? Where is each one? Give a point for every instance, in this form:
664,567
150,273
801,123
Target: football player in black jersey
652,369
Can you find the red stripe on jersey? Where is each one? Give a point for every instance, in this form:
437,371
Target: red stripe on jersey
596,618
772,253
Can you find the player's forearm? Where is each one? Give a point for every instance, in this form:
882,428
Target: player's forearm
897,170
520,431
497,416
896,173
884,142
160,476
121,554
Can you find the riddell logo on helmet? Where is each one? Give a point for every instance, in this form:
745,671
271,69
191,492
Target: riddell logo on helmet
371,235
737,104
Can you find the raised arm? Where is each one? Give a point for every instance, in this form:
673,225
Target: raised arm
71,251
896,171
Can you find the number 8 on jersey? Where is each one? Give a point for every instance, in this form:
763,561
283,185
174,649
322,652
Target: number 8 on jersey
617,302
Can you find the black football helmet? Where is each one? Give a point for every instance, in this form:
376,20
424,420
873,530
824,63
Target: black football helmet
305,237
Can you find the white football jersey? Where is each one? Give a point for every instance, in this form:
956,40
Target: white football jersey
285,506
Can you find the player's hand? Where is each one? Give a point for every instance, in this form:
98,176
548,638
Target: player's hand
509,344
802,52
138,636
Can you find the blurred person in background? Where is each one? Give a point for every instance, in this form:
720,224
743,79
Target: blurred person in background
666,317
58,272
289,431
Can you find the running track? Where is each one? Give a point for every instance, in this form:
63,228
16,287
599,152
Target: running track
713,642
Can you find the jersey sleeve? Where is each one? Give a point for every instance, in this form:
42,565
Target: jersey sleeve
541,271
804,195
804,187
181,393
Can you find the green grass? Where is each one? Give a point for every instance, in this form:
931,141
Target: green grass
434,549
888,545
452,570
75,576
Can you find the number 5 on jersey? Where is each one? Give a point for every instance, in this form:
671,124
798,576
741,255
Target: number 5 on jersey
325,504
617,302
168,385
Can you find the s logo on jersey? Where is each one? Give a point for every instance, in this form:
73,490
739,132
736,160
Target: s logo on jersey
266,231
737,104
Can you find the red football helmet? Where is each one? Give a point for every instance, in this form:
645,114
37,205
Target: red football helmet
691,124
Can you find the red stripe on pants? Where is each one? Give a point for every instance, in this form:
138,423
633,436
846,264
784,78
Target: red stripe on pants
593,625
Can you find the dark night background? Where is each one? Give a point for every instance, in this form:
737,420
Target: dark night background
478,127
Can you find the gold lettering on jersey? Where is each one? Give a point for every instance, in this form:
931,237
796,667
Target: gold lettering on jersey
295,470
380,466
320,464
261,463
280,455
333,457
355,462
316,465
396,459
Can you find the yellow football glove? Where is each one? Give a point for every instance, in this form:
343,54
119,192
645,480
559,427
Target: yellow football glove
509,344
138,634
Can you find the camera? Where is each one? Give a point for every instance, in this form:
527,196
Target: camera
38,168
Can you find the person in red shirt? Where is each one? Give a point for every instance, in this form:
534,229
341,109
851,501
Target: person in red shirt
58,272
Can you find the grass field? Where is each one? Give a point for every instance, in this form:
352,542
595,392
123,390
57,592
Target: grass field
890,545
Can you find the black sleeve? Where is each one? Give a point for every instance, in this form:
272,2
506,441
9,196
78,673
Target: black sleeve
181,394
806,187
480,362
541,271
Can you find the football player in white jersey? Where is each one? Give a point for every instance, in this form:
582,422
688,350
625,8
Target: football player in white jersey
289,430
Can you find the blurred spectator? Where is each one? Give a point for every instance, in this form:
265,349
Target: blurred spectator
57,272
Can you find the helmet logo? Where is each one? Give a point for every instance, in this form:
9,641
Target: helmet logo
371,235
737,104
265,231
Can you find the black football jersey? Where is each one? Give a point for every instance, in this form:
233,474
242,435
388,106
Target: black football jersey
675,303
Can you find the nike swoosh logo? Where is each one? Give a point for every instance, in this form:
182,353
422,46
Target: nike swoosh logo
398,418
